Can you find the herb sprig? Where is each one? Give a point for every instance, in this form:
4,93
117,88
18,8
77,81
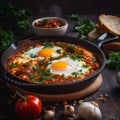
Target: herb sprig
82,26
48,44
113,61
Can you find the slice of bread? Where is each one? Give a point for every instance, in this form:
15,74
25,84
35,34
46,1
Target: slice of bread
109,23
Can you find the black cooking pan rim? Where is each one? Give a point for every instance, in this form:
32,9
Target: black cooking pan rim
66,87
62,84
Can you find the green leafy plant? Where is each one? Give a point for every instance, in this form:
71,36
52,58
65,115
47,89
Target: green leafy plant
83,27
113,61
13,18
6,38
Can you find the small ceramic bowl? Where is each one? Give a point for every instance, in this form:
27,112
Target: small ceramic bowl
50,26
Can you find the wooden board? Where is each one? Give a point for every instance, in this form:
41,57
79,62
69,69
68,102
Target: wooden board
61,97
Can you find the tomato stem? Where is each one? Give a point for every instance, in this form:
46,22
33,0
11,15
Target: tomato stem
23,97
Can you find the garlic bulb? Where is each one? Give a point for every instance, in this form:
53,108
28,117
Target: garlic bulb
69,110
118,78
89,111
49,114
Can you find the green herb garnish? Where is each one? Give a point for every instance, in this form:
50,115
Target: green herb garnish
63,75
58,51
33,56
48,44
13,65
75,74
83,27
35,67
45,74
42,62
85,65
71,48
113,61
66,53
76,56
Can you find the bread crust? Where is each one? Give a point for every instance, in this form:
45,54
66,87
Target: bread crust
103,27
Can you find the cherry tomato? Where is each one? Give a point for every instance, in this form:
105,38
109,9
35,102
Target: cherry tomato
55,24
47,23
28,107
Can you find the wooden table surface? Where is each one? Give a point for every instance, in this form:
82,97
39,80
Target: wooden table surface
109,89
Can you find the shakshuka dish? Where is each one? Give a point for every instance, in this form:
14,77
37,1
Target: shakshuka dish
52,62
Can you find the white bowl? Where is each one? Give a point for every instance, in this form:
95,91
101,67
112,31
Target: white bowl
40,31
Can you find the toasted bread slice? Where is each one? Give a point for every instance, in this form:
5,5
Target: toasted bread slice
109,23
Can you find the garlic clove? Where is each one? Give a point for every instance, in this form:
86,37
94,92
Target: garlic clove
118,78
69,109
89,111
49,114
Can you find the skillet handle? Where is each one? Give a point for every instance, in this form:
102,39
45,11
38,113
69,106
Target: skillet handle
105,38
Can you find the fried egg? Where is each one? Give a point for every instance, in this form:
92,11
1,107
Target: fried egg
68,67
42,52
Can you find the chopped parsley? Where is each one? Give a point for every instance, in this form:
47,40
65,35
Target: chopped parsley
33,56
113,61
42,62
71,47
76,56
43,75
58,51
85,65
63,75
47,44
66,53
35,67
82,26
13,65
75,74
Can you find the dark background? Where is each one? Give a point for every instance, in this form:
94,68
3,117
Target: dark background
58,7
86,9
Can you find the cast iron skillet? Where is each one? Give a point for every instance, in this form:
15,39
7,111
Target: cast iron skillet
61,88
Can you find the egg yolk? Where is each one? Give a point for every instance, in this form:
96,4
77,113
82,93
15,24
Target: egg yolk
60,66
46,52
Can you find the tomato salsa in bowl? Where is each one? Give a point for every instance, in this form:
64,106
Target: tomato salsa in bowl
50,26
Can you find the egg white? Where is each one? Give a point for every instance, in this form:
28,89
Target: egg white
77,66
34,52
